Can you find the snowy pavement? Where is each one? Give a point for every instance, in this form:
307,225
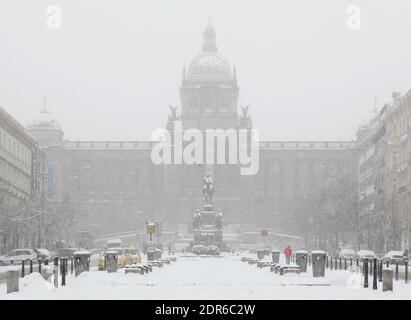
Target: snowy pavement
206,278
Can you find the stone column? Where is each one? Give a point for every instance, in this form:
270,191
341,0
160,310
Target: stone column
12,281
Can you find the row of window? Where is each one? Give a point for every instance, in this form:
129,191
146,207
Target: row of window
9,144
14,176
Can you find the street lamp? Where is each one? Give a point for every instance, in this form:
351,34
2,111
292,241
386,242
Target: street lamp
76,202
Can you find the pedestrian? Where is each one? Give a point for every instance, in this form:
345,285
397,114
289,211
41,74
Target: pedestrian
288,252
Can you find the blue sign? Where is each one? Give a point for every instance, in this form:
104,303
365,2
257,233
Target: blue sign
50,180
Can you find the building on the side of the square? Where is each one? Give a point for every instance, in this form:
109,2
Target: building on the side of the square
371,146
398,173
22,186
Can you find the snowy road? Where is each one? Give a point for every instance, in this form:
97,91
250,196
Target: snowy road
203,278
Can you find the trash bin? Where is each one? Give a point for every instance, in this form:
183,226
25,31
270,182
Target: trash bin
111,261
81,261
276,256
318,260
260,254
301,259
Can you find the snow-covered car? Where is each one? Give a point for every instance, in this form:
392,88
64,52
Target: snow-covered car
199,249
347,254
394,257
67,252
95,251
366,254
42,254
213,250
18,255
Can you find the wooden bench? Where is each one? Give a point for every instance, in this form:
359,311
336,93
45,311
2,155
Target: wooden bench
264,264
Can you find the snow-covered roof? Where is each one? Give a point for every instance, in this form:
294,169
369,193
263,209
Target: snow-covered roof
317,252
363,253
81,252
114,241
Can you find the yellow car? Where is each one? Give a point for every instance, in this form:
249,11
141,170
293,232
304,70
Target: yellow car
125,256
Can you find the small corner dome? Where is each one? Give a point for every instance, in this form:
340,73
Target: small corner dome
44,120
369,121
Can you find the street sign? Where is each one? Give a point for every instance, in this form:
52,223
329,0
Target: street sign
151,228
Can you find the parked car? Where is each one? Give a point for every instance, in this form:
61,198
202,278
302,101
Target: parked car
42,254
366,254
394,257
347,253
125,256
67,252
16,256
199,249
213,250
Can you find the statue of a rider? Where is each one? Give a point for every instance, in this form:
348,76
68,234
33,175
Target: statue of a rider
208,188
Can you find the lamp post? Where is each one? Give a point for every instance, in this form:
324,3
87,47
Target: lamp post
77,191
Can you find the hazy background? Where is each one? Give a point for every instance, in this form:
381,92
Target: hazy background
114,66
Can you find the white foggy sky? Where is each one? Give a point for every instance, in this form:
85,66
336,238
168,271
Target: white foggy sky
115,66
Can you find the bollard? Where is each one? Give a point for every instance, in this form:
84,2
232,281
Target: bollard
406,270
357,262
46,262
71,264
365,268
309,259
63,272
388,263
326,263
31,266
336,264
12,281
56,272
350,262
340,263
374,277
345,264
380,271
396,270
40,266
23,268
387,280
370,272
331,263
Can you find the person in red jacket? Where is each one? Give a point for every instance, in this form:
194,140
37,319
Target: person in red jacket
288,252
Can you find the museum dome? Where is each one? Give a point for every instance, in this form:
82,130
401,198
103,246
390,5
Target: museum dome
209,65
